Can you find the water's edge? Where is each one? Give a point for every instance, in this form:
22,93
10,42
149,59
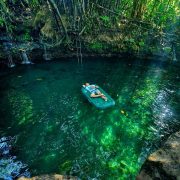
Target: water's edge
163,163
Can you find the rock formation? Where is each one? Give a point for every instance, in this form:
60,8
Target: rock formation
49,177
164,164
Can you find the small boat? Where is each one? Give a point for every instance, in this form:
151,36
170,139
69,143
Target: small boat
98,102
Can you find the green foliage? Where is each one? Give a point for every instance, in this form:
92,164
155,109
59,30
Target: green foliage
167,49
35,2
141,43
131,18
1,22
105,18
131,40
26,36
97,46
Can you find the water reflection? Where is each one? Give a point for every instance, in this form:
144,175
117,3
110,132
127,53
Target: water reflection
163,113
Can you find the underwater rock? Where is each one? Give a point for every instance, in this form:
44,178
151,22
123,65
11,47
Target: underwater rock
50,177
10,168
164,164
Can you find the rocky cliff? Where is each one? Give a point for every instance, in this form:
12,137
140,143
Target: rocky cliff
164,164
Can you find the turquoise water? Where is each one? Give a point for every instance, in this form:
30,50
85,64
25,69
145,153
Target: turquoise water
58,131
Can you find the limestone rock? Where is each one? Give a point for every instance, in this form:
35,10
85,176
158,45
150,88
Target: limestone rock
164,164
49,177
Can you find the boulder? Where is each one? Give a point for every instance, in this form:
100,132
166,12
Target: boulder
164,164
49,177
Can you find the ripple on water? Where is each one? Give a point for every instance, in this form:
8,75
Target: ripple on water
60,132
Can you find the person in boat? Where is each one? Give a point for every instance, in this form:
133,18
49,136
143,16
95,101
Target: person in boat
94,91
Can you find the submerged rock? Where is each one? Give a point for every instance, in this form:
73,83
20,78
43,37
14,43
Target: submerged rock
164,164
10,167
50,177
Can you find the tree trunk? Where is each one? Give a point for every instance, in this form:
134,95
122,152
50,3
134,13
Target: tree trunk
138,8
54,6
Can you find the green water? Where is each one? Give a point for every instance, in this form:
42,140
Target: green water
58,131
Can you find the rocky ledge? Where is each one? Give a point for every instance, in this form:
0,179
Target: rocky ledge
164,164
49,177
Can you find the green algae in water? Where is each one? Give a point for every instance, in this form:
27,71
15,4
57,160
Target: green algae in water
58,131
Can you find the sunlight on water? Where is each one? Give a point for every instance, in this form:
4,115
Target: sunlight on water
21,107
58,131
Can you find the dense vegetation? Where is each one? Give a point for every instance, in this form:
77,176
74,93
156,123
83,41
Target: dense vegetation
96,26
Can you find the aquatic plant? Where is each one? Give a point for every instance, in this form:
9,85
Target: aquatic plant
25,114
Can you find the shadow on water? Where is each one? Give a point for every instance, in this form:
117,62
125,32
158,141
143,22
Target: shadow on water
59,131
